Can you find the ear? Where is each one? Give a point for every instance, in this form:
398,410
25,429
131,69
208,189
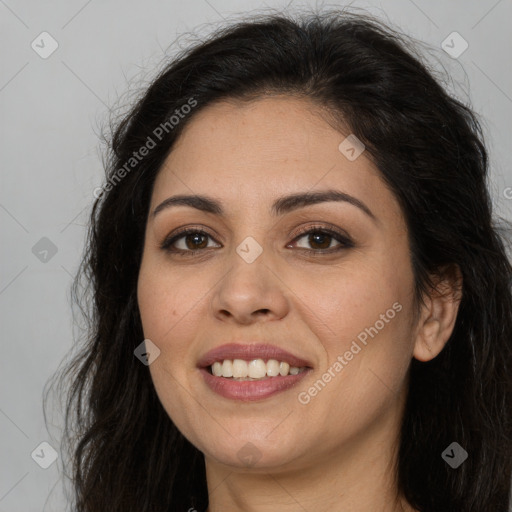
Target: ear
438,313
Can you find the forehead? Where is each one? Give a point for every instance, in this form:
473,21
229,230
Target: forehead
253,152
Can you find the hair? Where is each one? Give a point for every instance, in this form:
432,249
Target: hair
126,453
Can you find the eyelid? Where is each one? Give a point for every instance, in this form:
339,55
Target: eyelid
321,226
341,236
181,232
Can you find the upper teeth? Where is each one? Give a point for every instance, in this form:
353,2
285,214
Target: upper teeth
255,369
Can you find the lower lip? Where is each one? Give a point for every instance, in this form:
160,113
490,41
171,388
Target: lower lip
249,390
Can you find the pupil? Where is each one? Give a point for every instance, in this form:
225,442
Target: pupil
194,237
313,239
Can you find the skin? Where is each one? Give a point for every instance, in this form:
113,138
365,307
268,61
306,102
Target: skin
337,452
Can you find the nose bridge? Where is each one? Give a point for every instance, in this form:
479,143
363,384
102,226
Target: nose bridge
247,277
249,287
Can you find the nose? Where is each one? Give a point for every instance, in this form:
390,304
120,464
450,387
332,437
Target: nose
249,293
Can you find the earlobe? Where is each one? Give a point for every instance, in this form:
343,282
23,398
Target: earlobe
438,314
429,343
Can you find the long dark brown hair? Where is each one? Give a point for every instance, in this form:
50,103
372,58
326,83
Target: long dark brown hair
126,455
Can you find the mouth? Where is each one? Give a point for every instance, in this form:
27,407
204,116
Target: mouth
251,372
255,369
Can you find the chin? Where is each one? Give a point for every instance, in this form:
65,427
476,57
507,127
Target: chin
252,453
249,458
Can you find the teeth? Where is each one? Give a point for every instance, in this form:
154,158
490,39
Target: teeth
217,369
257,369
284,368
239,369
227,368
273,368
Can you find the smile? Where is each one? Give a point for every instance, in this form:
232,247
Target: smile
254,369
250,372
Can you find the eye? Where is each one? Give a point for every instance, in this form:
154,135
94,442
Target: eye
316,240
322,240
189,240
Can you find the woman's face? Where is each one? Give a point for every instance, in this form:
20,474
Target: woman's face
339,299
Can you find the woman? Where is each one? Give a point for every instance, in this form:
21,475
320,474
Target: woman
301,300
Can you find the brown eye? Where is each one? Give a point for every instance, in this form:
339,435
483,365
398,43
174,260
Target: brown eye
319,240
187,241
194,241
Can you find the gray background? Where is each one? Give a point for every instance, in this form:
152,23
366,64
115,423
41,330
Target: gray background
52,111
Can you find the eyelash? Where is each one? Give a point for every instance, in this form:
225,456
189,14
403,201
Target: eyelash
344,241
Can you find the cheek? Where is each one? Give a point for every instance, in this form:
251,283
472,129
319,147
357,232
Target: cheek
167,299
348,299
364,371
167,304
362,313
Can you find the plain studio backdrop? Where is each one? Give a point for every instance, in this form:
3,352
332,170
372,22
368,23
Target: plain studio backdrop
65,65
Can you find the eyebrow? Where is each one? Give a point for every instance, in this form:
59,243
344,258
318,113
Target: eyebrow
281,206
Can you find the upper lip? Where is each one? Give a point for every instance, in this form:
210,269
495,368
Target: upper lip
248,352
